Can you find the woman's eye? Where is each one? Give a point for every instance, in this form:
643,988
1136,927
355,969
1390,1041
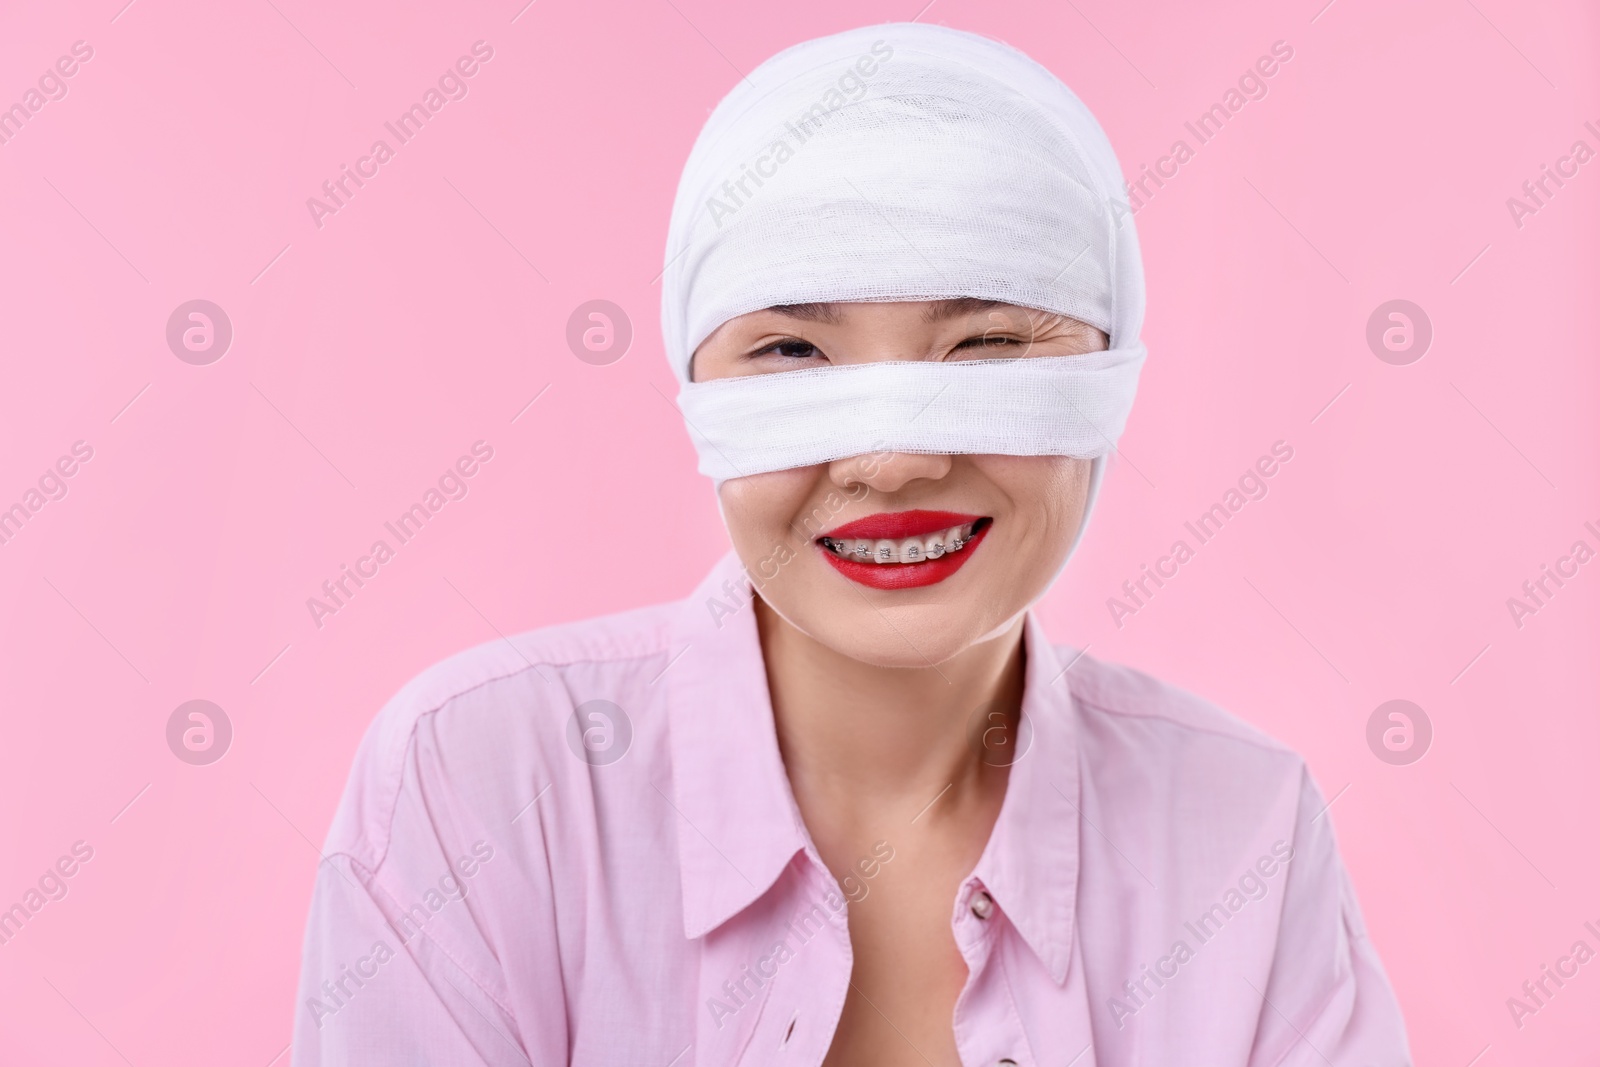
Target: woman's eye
790,350
990,341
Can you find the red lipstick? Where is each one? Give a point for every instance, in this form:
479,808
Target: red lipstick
897,525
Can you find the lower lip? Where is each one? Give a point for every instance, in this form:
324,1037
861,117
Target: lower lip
906,575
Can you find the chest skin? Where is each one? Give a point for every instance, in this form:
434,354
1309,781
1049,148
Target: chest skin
901,878
907,970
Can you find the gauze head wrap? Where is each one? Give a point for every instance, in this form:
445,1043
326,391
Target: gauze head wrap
903,162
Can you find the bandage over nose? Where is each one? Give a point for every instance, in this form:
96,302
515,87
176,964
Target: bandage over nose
903,162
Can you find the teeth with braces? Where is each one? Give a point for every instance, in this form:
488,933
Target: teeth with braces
901,550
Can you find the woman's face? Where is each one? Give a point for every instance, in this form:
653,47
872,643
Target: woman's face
891,558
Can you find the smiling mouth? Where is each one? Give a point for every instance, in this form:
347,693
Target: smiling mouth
897,550
905,551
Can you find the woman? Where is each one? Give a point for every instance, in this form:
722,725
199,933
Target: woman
846,803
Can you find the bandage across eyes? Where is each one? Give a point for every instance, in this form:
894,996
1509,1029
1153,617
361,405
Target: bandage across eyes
895,163
1034,406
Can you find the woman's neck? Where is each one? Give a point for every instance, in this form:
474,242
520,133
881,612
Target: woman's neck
861,741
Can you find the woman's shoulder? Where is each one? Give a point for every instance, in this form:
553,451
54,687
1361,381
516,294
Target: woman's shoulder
1141,710
628,637
498,712
1151,746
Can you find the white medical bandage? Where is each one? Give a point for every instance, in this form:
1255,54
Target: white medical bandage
1036,406
903,162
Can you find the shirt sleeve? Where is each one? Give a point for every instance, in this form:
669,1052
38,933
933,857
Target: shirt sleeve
415,906
1327,1000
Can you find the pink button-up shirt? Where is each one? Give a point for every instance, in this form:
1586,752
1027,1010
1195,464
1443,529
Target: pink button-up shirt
580,846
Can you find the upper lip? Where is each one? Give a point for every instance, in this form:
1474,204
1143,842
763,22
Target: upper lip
890,525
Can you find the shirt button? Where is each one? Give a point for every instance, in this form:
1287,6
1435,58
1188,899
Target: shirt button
983,907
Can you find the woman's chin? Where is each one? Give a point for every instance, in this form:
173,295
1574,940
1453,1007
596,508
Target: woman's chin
904,657
902,639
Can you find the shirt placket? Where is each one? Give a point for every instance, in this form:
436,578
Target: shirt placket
816,989
793,1002
988,1028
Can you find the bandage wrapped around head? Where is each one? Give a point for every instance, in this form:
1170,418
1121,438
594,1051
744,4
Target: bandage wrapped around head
893,163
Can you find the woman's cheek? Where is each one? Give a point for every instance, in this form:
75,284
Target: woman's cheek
1046,495
763,515
756,504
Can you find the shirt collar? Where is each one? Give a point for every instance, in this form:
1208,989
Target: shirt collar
739,826
1030,865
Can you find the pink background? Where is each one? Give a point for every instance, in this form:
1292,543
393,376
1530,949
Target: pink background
425,315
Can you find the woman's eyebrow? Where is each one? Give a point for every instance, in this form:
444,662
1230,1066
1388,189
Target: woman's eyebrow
940,310
828,313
